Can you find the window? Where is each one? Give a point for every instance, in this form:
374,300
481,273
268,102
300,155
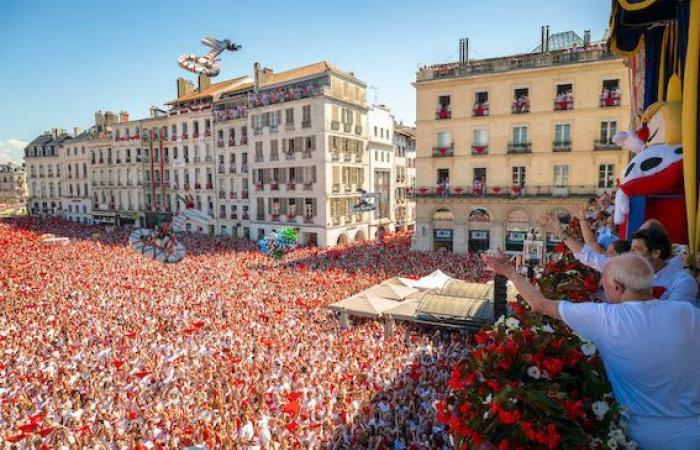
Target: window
306,116
443,176
375,131
444,139
562,133
561,176
520,135
607,131
289,116
258,152
480,137
444,110
481,97
519,176
606,176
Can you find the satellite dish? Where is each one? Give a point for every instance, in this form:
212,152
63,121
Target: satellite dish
208,64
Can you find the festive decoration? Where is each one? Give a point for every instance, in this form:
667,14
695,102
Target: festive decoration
161,244
367,202
531,383
277,244
657,167
208,64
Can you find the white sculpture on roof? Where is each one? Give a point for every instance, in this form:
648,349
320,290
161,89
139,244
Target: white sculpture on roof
208,64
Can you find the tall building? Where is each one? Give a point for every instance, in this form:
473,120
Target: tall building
76,176
42,162
501,141
382,170
405,163
13,188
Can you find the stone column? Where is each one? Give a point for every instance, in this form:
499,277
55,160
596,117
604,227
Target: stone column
497,236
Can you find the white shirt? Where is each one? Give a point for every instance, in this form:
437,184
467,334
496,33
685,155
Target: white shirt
650,349
677,284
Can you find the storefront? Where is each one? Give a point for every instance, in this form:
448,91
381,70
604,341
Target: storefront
443,238
479,240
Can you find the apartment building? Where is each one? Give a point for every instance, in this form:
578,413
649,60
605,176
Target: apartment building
405,163
43,166
501,141
13,187
382,170
76,176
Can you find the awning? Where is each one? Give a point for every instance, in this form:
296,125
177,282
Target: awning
392,291
364,305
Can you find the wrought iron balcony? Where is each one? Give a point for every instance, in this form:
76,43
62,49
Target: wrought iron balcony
520,147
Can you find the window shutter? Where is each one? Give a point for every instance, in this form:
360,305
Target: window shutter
313,174
298,144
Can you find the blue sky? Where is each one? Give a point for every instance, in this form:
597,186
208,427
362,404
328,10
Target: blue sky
73,57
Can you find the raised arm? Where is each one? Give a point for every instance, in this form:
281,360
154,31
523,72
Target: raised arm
586,231
539,303
552,225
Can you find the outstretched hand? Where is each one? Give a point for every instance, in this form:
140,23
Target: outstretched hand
550,224
499,263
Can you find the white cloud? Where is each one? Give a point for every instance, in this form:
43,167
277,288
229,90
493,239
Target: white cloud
12,150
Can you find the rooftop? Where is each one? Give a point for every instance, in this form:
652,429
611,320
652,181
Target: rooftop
573,54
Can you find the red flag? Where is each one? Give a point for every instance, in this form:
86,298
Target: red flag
27,428
291,427
118,364
45,431
15,438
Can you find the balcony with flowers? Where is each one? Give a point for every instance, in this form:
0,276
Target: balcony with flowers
521,104
444,108
231,112
286,94
481,109
480,149
444,151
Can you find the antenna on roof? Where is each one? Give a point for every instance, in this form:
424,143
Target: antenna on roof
375,89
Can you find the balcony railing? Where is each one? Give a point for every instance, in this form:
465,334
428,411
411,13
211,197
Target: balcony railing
443,113
289,126
197,159
520,107
244,194
233,195
274,186
257,131
231,142
245,216
291,217
258,186
481,110
335,156
221,169
306,154
335,189
347,128
222,195
308,219
232,169
306,124
244,168
291,186
222,215
274,128
480,149
561,146
308,186
520,147
610,100
290,156
505,191
220,143
602,145
275,217
444,151
335,125
564,104
358,130
244,140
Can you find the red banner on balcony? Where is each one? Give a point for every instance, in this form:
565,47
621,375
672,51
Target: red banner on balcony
496,189
480,149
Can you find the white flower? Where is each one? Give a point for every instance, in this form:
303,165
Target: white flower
488,399
618,435
512,323
547,328
588,349
500,320
595,444
534,372
612,444
600,408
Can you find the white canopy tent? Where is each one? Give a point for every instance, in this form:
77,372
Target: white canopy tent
364,305
435,280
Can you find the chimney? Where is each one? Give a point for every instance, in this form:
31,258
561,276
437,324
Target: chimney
123,117
464,50
110,119
203,82
546,41
76,131
256,77
586,38
542,38
184,87
266,76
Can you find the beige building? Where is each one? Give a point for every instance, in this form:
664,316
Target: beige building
405,162
13,189
76,173
503,140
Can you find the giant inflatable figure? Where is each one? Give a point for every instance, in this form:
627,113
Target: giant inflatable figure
657,167
161,244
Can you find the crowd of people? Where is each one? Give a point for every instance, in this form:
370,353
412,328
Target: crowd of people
101,348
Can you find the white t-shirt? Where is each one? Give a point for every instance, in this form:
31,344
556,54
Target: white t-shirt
650,349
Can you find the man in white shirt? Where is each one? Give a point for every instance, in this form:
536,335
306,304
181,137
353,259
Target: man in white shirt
650,349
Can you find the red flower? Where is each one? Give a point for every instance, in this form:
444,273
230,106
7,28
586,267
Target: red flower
508,417
574,408
518,309
553,366
561,248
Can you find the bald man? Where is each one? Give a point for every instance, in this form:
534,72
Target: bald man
650,348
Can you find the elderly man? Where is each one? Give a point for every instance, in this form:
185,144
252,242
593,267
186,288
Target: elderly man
650,348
